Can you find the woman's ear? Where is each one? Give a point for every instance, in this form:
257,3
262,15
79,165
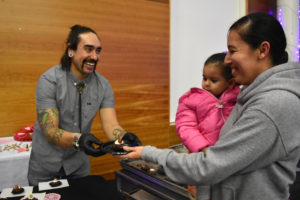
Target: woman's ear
232,83
264,49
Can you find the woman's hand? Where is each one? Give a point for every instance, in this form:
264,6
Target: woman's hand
135,153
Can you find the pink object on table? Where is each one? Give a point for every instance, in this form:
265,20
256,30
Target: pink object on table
21,150
5,140
52,196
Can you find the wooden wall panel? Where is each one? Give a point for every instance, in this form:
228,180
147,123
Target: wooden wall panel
268,6
135,58
174,139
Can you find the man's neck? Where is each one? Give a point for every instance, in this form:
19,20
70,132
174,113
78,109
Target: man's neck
78,74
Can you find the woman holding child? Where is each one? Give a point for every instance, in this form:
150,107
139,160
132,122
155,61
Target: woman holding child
258,148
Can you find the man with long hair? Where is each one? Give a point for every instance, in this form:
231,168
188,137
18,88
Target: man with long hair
68,96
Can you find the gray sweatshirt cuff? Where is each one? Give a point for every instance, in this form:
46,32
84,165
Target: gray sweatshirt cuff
148,152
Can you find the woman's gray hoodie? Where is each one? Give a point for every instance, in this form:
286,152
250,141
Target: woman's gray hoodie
256,155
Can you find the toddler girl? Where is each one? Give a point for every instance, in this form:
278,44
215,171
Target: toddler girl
202,112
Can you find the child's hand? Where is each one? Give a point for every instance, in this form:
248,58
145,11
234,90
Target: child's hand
135,154
203,150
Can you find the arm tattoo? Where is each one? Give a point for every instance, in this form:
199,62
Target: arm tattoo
118,133
47,120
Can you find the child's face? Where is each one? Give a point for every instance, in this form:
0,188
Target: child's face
213,80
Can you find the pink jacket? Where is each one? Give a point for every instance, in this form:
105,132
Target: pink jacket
200,116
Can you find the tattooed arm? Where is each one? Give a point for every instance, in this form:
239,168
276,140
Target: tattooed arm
48,120
110,124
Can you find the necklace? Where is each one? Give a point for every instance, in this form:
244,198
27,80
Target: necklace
80,86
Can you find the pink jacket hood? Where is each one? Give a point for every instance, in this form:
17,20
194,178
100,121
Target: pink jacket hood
200,116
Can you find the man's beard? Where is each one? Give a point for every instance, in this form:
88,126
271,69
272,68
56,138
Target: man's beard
89,61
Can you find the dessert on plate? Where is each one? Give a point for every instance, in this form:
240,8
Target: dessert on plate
118,145
30,197
55,183
17,190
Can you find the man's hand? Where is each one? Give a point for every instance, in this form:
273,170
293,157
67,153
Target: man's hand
87,141
131,139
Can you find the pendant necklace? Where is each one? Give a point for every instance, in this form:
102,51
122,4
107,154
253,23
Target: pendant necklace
80,86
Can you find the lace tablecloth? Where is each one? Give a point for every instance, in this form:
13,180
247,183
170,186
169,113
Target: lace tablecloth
14,159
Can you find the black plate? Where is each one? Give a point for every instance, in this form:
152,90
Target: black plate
107,148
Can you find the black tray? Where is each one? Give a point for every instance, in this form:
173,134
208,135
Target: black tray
158,178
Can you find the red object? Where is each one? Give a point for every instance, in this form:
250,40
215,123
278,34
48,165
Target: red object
24,134
28,129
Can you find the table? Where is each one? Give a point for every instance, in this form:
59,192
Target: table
91,187
13,164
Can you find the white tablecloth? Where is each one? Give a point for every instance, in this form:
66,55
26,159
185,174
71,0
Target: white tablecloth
13,164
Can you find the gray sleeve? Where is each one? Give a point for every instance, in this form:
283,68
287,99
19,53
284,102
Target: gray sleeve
108,99
252,143
45,93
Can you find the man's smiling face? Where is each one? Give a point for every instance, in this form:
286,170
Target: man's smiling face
86,56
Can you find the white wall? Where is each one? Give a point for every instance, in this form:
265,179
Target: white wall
288,16
198,29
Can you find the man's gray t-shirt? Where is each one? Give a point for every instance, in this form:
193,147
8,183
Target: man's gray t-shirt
56,89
